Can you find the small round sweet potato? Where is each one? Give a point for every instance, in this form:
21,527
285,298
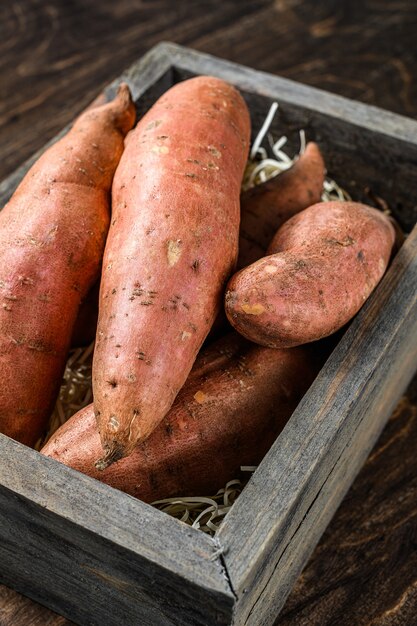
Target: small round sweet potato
322,266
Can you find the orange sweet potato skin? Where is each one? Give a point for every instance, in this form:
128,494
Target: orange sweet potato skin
236,400
322,265
52,235
268,205
172,245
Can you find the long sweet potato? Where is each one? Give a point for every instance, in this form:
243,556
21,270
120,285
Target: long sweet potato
172,244
52,235
268,205
322,265
236,400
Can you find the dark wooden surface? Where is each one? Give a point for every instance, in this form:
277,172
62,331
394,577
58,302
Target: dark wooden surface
55,56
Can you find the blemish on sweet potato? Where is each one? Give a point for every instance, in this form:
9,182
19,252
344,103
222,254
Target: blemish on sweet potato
214,152
253,309
114,423
200,397
160,149
39,346
44,297
173,252
153,124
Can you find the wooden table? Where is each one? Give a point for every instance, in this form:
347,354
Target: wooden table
56,56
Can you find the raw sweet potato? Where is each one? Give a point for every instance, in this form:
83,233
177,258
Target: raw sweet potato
52,235
322,265
268,205
172,245
236,400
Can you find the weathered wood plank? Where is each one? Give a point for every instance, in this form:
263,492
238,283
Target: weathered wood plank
60,54
337,421
99,556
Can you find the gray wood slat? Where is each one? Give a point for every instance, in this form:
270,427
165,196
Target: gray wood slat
88,550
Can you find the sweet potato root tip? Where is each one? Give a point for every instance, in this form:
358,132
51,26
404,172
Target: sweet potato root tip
124,103
235,401
113,453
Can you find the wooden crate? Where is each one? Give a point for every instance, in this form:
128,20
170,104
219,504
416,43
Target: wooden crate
99,556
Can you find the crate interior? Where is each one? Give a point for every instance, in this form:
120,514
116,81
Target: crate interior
355,158
346,149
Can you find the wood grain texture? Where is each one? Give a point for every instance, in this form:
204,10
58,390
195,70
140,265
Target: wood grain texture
55,58
111,551
17,609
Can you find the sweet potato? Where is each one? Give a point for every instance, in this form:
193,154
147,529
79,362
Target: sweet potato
52,235
268,205
322,265
236,400
172,245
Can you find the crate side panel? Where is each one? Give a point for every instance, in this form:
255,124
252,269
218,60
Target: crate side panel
360,382
108,513
192,62
92,580
271,598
